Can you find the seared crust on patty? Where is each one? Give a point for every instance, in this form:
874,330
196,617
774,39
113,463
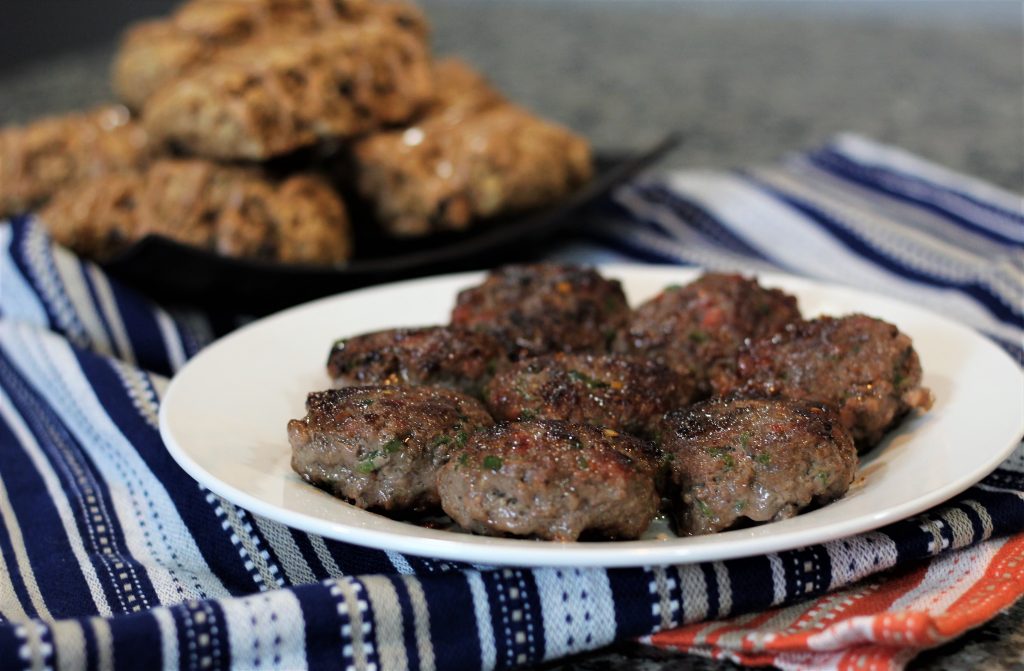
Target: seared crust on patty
696,327
445,356
864,367
618,392
754,459
537,309
551,480
381,447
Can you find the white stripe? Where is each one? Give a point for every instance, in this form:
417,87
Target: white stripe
859,556
589,606
172,339
108,304
265,626
152,527
778,579
324,555
724,589
986,519
421,623
482,614
762,221
913,248
28,443
866,152
292,561
20,301
10,605
70,271
69,639
694,592
17,541
169,652
836,187
400,563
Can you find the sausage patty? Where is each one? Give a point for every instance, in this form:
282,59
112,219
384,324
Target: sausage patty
618,392
863,366
759,459
551,480
538,309
380,447
446,356
695,327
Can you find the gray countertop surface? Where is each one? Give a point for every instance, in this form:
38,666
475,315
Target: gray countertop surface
744,83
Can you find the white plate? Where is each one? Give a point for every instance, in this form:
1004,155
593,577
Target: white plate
223,419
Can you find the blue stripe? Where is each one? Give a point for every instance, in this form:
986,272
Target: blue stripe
836,164
190,500
449,596
321,625
835,149
63,588
94,298
131,641
146,338
851,240
631,593
701,220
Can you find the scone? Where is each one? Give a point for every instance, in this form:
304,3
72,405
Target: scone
38,159
473,156
232,210
154,53
277,95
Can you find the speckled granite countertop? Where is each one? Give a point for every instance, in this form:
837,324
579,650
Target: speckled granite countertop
745,83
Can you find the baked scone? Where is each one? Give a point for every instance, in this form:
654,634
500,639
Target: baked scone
153,53
38,159
233,210
473,156
277,94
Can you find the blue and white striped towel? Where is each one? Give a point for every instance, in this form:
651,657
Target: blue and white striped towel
111,557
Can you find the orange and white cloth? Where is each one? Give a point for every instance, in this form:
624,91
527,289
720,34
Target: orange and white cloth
878,625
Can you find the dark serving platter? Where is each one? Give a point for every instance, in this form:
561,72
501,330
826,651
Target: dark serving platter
171,272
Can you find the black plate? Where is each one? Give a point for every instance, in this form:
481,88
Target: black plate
175,273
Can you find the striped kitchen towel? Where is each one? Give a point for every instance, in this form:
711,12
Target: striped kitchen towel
111,557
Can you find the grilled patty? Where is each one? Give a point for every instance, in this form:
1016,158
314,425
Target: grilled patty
551,480
381,447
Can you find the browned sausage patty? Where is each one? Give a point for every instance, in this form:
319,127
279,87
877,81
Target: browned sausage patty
618,392
538,309
863,366
380,447
694,327
551,480
446,356
759,459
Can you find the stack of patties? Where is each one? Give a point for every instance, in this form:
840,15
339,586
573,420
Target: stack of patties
215,95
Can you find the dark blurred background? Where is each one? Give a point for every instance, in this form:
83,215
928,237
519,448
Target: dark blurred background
746,81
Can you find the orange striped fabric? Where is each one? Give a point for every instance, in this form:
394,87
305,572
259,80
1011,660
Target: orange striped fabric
877,625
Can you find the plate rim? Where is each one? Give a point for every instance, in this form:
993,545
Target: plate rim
480,550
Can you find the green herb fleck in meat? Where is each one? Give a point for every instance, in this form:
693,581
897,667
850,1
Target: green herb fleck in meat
492,462
587,380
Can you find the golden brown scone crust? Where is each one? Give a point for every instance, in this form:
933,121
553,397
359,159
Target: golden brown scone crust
154,53
38,159
232,210
474,156
279,94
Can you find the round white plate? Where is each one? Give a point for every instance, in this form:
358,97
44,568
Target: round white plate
223,419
